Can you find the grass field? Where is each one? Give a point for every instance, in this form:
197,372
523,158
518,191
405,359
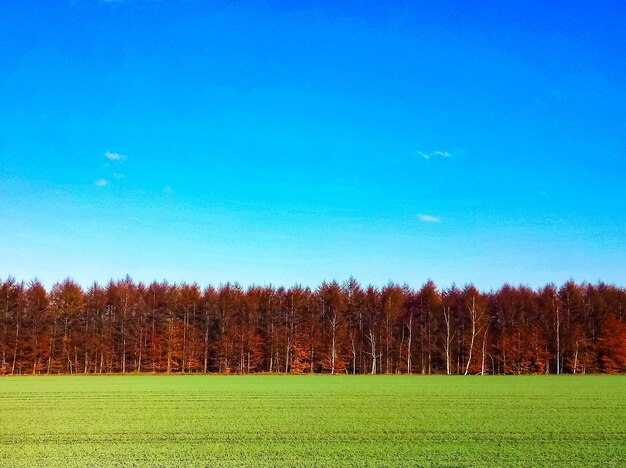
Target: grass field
312,420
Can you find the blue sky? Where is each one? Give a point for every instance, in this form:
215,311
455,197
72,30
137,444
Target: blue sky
263,142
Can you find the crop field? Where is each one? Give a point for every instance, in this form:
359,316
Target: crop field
269,420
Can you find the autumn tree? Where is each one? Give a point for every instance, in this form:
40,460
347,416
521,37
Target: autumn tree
125,326
613,347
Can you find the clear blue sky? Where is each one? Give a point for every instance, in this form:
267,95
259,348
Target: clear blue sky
263,142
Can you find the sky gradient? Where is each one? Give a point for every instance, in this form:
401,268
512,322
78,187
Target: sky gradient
263,142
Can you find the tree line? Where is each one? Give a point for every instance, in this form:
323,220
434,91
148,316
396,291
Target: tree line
125,327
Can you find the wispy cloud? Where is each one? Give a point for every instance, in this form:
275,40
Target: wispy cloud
428,218
435,154
114,156
167,190
119,175
101,183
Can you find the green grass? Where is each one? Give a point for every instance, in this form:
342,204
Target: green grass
312,420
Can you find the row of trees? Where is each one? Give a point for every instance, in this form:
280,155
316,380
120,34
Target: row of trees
337,328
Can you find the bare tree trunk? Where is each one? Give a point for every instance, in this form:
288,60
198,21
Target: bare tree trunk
428,341
271,345
333,351
123,352
380,356
353,353
372,340
558,341
332,369
140,352
141,342
52,339
474,317
482,367
4,332
400,352
185,340
124,331
206,347
446,316
387,336
35,356
408,354
17,336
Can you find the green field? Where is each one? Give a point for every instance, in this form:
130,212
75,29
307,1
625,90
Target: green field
312,420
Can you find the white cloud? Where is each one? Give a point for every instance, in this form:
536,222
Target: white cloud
101,183
428,218
114,156
167,190
435,154
119,175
